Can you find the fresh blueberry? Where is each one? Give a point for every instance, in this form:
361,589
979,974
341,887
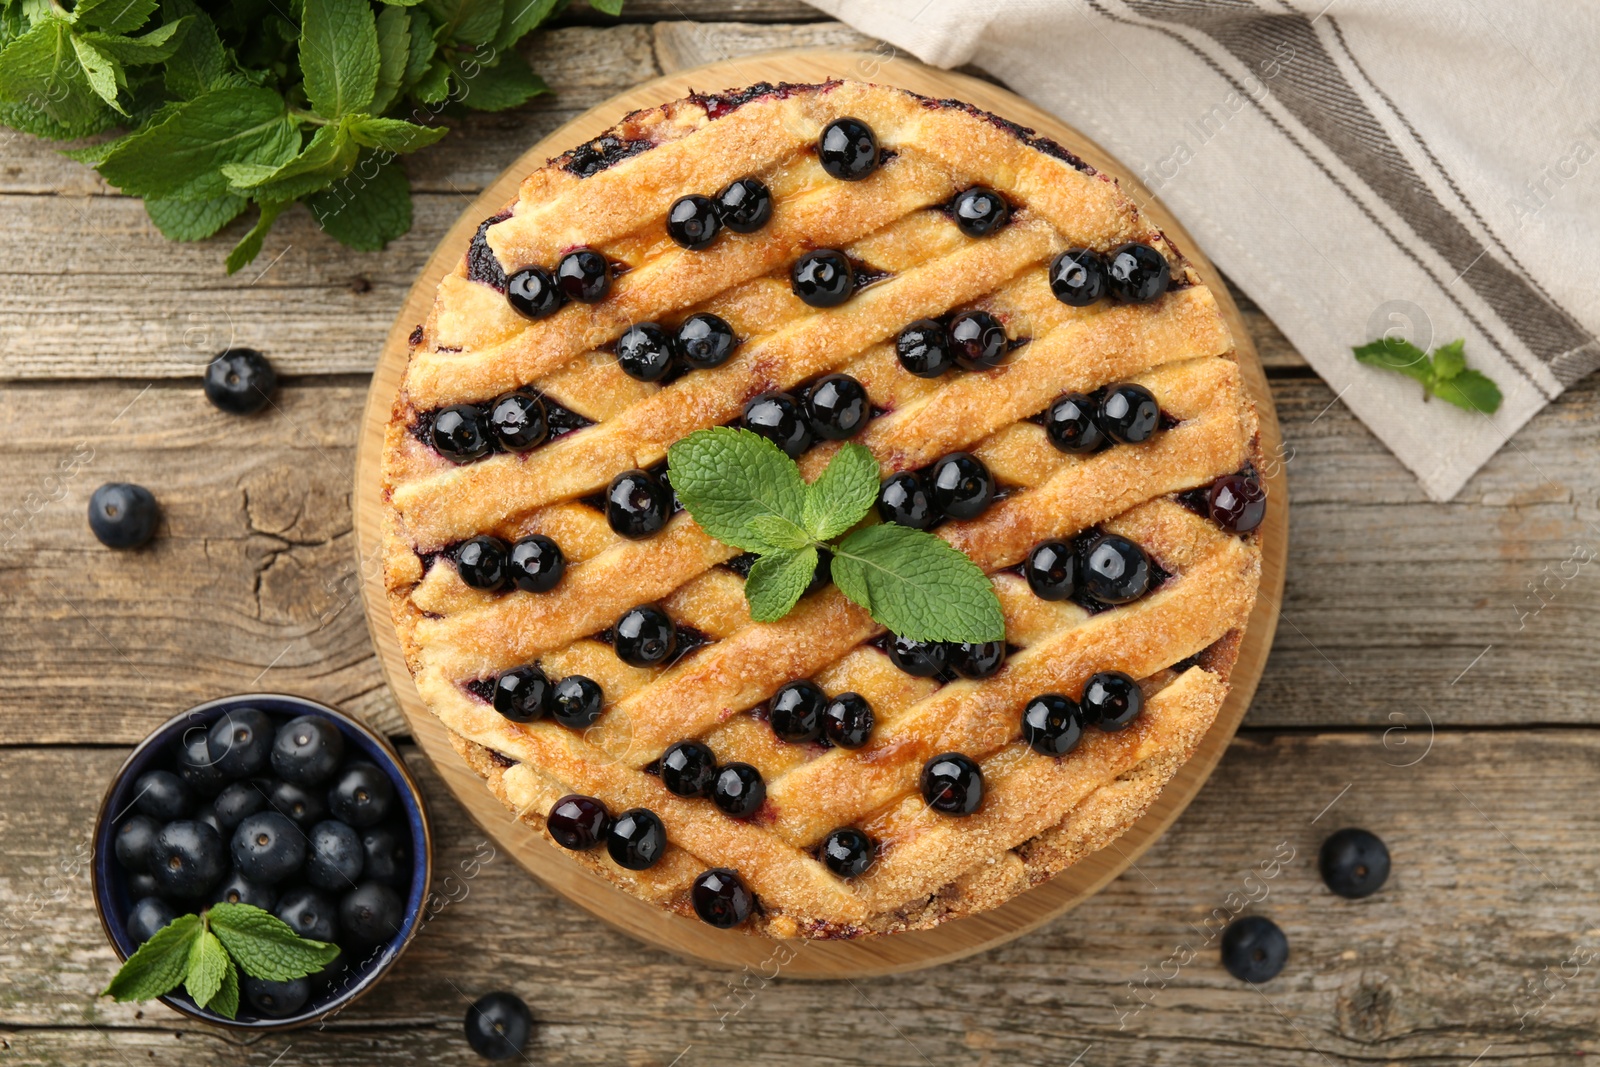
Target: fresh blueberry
848,149
1070,425
1128,414
745,205
637,839
519,421
837,407
240,381
237,803
738,789
795,712
499,1026
1115,570
1354,863
309,913
460,433
721,898
577,822
1137,274
924,349
688,768
522,694
779,418
267,847
275,1000
335,974
148,915
301,806
536,564
704,341
584,275
847,852
637,504
240,743
952,783
921,659
576,702
1052,570
979,211
1237,502
187,859
370,914
977,340
307,750
644,352
482,562
1111,700
122,515
334,857
533,293
194,763
981,659
1078,277
141,885
961,485
822,278
644,636
208,815
848,720
162,795
386,855
693,222
362,795
904,499
135,841
1052,724
1254,949
237,889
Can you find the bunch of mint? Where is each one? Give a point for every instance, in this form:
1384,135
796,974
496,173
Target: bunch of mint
259,102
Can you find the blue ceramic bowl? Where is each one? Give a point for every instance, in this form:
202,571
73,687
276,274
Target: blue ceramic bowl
113,901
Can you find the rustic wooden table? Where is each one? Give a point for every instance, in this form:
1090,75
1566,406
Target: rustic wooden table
1431,681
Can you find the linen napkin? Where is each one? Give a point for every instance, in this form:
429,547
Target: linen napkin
1360,168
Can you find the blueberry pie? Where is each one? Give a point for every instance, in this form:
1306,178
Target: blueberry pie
1046,384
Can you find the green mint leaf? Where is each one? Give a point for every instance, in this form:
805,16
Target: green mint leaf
1449,360
842,494
777,580
114,16
199,64
226,1001
182,156
208,964
917,585
467,21
264,946
402,3
521,16
507,84
328,157
726,477
608,7
1471,390
159,964
394,50
249,246
779,532
104,73
433,86
153,47
41,75
339,55
194,220
368,208
91,155
423,46
393,135
1397,355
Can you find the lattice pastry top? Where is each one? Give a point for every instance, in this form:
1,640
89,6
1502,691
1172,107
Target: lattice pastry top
1046,384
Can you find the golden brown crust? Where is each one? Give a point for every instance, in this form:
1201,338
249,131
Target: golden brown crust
1040,815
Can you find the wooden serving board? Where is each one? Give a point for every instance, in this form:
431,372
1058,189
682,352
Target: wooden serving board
689,937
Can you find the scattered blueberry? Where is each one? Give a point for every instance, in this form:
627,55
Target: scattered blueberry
644,636
721,898
386,855
1137,274
1052,724
847,852
905,499
1115,570
1078,277
924,349
979,211
519,421
194,763
187,859
637,504
637,839
135,841
162,795
822,278
301,806
148,915
688,768
275,999
536,564
122,515
584,275
577,822
481,562
522,694
644,352
208,815
334,856
238,802
370,914
779,418
460,433
837,407
1254,949
693,222
237,889
1052,570
976,660
240,381
848,149
745,205
921,659
268,848
704,341
795,712
362,795
576,702
1070,425
1237,502
499,1026
1354,863
848,720
961,485
240,742
977,340
307,750
309,913
533,293
1128,414
738,789
1111,700
952,783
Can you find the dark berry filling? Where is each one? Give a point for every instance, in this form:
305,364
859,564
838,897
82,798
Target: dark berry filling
482,265
604,151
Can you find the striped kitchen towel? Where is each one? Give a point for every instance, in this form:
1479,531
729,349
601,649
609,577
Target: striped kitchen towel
1361,168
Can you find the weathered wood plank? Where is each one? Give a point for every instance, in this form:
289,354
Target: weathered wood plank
1443,962
708,11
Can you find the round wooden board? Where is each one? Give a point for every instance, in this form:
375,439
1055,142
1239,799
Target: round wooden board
688,937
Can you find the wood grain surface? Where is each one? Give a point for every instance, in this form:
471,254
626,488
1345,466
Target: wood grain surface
1460,633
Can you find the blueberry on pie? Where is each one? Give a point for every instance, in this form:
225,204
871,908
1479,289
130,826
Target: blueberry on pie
1045,383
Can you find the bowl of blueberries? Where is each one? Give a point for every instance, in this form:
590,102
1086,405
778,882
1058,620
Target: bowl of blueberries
281,803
